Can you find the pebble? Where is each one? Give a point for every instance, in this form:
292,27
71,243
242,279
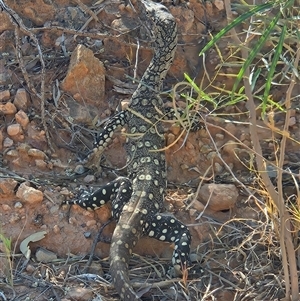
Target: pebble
12,153
218,196
87,234
56,229
79,169
41,164
29,194
22,99
91,223
44,255
8,108
89,179
7,142
4,95
18,205
6,207
7,186
14,130
36,153
80,293
22,118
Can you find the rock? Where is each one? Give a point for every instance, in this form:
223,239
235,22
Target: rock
36,154
22,118
4,95
14,130
7,187
22,99
43,255
6,207
8,108
5,23
38,12
18,205
41,164
89,179
219,4
13,153
8,142
218,196
230,147
29,195
80,294
86,76
56,229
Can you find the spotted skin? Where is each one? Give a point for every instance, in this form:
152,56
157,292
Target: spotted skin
137,204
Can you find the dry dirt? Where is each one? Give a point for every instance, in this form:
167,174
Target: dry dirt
46,131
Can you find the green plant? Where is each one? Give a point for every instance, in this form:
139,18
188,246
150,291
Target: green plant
6,258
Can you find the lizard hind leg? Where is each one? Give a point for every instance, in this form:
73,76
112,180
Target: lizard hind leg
169,229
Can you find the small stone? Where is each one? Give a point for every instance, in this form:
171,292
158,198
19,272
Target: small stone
87,234
41,164
230,147
8,108
22,118
91,223
189,145
89,179
43,255
30,268
219,4
218,196
80,293
22,99
198,205
56,229
175,130
36,153
292,121
218,167
12,153
6,207
7,187
219,136
65,191
79,169
170,138
29,195
18,205
14,130
4,95
86,76
231,128
184,166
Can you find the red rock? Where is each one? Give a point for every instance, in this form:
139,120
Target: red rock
29,195
4,95
7,187
22,118
36,153
86,76
14,130
8,108
22,99
218,196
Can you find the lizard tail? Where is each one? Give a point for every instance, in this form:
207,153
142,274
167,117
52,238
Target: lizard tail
120,252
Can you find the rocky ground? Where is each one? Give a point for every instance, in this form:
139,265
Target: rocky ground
65,68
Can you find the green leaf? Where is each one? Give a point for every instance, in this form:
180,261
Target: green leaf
235,22
265,36
272,69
